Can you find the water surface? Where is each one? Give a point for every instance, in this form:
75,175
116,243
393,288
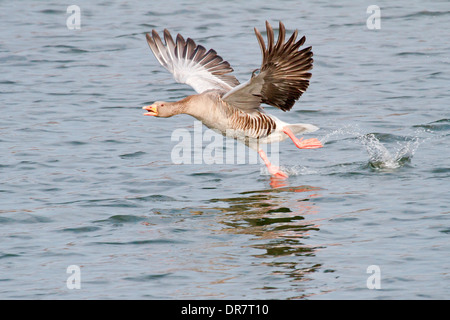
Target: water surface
86,180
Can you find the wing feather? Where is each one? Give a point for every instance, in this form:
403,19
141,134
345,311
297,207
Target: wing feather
192,64
283,75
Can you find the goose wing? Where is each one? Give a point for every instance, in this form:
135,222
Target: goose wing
282,78
192,64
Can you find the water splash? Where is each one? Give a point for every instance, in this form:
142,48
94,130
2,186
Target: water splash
381,158
295,170
351,130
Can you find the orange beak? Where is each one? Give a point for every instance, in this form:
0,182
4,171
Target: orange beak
152,110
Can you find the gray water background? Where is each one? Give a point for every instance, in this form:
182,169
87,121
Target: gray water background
86,180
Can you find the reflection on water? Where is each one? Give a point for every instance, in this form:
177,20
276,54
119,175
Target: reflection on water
279,224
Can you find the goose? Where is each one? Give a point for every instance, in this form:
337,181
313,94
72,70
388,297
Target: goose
229,107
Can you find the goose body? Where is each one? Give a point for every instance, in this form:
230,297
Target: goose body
233,109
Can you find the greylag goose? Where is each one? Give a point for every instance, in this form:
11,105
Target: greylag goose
231,108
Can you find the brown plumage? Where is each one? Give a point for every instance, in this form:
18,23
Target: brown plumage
256,125
284,68
283,75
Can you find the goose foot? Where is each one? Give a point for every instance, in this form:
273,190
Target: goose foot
301,143
273,170
277,173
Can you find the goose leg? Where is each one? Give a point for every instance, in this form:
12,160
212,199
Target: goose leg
303,144
273,170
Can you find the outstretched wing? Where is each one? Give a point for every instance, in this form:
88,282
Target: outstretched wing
283,76
192,64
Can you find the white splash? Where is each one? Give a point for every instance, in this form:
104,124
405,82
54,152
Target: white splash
352,130
291,170
381,158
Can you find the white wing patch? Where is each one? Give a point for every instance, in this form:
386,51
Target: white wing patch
191,64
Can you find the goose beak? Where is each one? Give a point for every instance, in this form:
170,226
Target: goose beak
152,110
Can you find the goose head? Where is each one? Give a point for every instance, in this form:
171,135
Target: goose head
162,109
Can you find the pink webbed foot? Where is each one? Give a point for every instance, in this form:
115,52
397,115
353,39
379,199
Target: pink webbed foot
276,172
301,143
312,143
273,170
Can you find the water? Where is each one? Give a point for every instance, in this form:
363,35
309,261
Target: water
86,180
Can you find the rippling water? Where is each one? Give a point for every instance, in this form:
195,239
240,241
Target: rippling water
86,180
